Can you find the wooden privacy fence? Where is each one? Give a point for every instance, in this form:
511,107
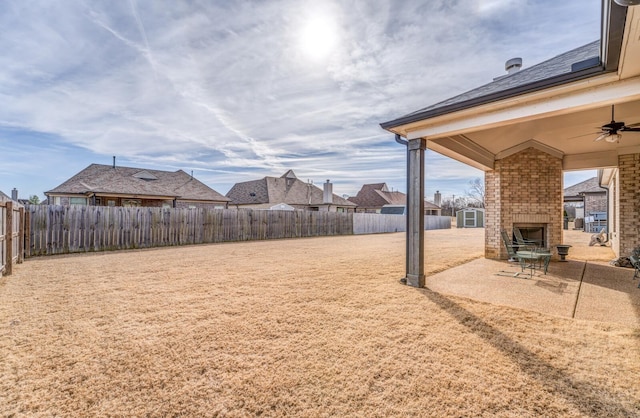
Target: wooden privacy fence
12,224
373,223
68,229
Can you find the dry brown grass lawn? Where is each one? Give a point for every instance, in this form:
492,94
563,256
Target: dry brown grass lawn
308,327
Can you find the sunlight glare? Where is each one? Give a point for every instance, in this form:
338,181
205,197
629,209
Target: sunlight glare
318,37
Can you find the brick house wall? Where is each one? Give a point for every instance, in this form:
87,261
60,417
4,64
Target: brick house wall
629,206
523,188
595,203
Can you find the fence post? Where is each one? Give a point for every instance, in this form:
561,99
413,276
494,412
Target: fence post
9,239
27,233
21,212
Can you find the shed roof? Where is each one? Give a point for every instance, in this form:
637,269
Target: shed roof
99,178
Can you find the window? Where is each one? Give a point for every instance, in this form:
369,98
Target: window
132,202
78,201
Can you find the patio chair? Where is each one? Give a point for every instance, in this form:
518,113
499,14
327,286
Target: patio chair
511,248
528,242
635,262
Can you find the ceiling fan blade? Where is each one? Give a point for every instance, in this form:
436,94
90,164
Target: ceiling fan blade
583,135
633,125
628,129
601,136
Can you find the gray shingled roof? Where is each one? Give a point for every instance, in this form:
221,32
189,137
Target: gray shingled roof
588,186
285,189
98,178
377,195
554,67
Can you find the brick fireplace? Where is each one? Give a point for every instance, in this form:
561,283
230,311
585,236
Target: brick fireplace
535,232
524,189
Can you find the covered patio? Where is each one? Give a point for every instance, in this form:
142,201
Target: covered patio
526,128
584,287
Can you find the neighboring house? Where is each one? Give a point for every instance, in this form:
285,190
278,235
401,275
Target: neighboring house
372,197
587,197
111,185
286,192
14,197
526,127
4,197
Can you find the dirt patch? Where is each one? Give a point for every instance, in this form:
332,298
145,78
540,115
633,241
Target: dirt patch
307,327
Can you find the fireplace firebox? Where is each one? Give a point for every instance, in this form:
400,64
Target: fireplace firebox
531,232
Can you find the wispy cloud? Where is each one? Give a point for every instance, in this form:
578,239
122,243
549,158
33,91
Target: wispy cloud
239,90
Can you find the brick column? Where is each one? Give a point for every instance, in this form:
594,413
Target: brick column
629,195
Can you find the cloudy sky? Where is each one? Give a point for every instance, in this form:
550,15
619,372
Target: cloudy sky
239,90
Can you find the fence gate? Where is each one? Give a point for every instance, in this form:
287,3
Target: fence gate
11,236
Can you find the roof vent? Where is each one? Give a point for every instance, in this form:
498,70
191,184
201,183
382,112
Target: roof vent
513,65
145,175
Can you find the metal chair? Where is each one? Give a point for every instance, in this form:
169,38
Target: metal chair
511,248
528,242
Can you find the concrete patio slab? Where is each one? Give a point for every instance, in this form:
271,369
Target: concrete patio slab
573,289
609,293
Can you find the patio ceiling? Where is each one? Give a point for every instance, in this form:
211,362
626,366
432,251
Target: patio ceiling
562,119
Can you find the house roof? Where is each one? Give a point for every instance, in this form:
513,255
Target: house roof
576,62
377,195
429,205
286,189
554,106
106,179
588,186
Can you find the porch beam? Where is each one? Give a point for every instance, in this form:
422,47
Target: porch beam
466,151
415,203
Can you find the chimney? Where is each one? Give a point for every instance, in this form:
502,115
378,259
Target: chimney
513,65
437,198
14,194
114,161
327,195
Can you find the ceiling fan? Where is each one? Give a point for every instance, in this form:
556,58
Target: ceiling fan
610,132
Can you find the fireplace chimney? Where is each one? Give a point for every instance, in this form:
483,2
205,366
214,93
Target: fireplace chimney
437,198
14,194
327,195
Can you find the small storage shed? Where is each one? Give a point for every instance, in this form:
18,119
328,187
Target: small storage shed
470,218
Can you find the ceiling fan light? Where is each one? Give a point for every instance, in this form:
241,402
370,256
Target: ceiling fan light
613,138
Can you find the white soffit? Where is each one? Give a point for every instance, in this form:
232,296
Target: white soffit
588,161
607,176
582,95
462,149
